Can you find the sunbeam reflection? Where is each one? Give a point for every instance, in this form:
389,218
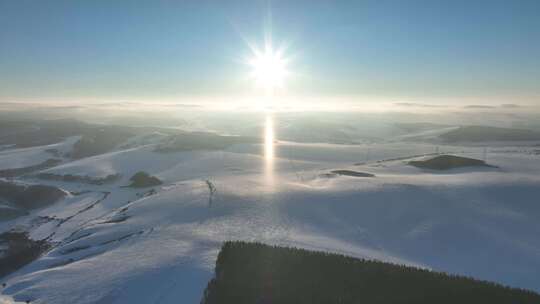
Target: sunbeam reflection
269,139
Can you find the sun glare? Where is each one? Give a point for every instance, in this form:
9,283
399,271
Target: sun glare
269,68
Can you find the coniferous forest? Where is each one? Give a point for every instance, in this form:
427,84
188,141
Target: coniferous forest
257,273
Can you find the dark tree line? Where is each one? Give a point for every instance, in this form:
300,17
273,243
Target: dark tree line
446,162
18,251
256,273
142,179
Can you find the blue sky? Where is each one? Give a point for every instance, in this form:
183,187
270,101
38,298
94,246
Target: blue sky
410,50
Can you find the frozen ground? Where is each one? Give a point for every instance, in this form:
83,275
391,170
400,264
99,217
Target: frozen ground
121,245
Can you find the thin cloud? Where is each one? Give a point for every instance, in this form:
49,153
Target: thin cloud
510,105
479,107
420,105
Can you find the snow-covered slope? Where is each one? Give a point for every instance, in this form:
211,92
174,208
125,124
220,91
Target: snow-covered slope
120,245
25,157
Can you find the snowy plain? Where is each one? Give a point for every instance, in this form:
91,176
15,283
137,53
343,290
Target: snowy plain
114,244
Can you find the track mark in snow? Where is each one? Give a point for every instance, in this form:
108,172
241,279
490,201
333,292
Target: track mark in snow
95,250
90,206
122,237
117,218
74,249
82,236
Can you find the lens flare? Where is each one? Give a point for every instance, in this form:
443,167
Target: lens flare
269,68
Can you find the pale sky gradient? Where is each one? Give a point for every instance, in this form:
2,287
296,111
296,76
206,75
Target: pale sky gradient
483,51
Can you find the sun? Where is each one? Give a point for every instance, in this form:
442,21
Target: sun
269,68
